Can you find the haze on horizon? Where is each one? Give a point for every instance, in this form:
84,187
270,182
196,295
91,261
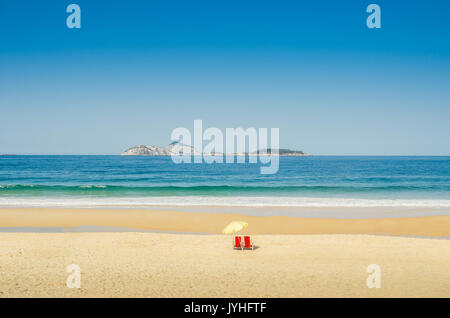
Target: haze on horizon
137,70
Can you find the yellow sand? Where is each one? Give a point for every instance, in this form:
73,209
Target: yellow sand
189,265
177,265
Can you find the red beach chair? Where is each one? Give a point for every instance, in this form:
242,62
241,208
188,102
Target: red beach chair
237,243
248,244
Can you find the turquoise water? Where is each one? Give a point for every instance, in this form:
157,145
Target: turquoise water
300,181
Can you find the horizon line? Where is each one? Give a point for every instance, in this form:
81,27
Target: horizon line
307,155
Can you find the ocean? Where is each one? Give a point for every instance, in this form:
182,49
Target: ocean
313,181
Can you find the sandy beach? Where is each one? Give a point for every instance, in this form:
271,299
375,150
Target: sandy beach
296,257
172,265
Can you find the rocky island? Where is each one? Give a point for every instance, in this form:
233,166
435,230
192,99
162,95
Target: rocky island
149,150
159,151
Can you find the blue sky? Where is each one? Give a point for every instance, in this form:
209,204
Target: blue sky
138,69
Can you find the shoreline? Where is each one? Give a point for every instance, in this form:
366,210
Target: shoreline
213,223
250,205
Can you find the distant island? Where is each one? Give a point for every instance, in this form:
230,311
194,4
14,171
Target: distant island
283,152
149,150
158,151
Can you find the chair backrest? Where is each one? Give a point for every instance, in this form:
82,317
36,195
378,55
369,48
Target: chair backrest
247,241
237,241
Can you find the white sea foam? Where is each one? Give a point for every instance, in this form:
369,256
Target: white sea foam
218,201
92,186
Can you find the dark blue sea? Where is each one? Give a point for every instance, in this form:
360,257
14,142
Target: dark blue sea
148,181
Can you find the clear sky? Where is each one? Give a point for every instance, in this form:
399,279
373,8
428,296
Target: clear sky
138,69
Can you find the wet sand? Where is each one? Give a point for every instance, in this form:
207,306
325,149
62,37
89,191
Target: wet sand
174,221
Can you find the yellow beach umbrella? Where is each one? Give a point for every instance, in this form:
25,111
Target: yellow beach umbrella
234,227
